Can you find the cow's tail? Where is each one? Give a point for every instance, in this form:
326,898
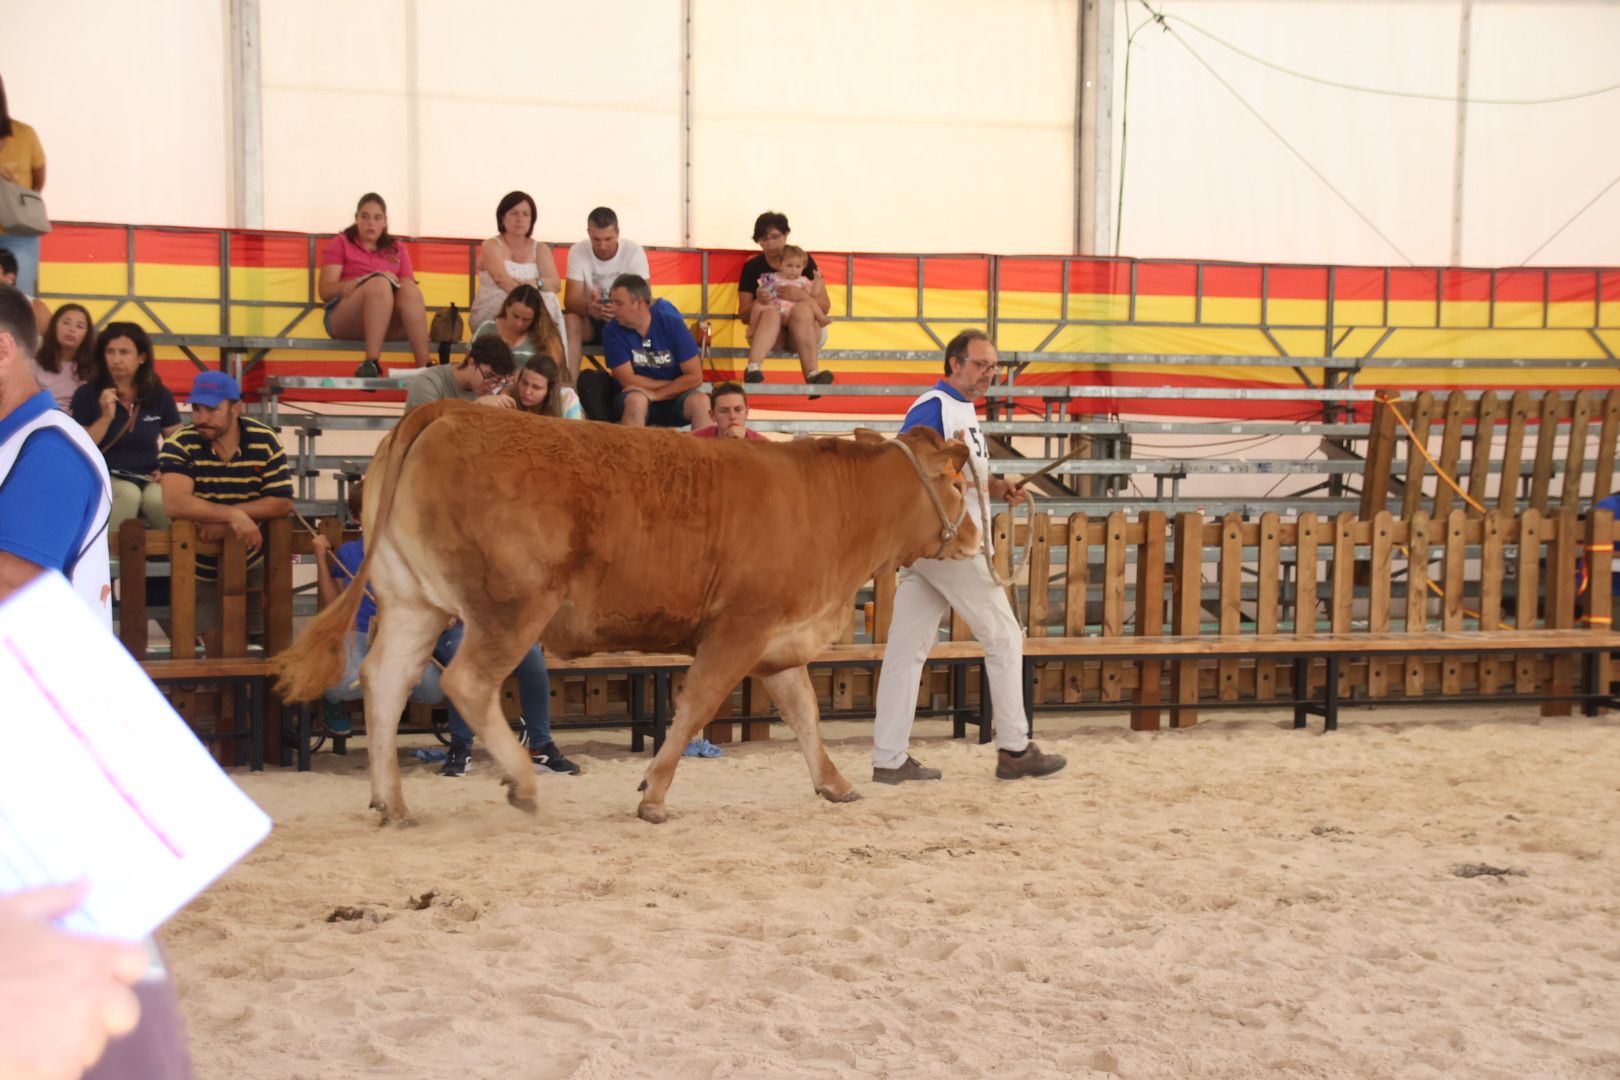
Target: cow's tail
315,660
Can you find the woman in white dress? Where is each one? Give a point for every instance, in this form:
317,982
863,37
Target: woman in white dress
512,258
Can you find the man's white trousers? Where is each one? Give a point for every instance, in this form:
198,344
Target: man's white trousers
927,589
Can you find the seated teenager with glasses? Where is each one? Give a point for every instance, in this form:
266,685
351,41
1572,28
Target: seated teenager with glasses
481,379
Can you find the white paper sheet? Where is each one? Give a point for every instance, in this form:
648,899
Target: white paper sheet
101,779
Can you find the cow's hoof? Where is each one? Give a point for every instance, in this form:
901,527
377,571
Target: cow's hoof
397,816
832,796
652,813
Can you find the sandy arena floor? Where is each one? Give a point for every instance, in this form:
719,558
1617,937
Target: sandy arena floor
1234,900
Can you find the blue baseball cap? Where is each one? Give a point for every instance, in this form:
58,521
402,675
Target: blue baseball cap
210,388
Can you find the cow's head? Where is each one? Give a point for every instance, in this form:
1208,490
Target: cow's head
937,525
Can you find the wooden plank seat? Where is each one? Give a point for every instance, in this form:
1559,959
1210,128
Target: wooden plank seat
246,678
1333,649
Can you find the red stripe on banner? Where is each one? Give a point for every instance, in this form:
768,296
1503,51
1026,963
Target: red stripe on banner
882,270
1609,287
271,251
1297,282
675,267
1413,284
725,267
1466,285
966,274
1242,282
441,256
833,266
1571,287
1088,277
84,244
1358,283
1166,279
177,248
1034,275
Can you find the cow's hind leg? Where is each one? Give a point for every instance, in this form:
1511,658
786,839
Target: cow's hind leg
473,679
796,697
394,664
715,670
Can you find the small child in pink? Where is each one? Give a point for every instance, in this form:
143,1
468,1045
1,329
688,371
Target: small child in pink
794,260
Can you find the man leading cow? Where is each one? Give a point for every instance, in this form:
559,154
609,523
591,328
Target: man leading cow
928,588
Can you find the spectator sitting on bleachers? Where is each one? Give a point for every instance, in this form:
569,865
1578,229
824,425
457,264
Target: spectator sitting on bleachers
804,329
526,325
22,161
228,472
9,276
330,581
537,391
651,353
511,258
369,287
594,264
66,354
791,276
480,378
128,411
730,404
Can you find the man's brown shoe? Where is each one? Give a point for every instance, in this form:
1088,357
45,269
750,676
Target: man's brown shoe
910,769
1031,762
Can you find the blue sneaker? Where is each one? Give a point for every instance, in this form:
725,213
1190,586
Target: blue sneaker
335,716
702,748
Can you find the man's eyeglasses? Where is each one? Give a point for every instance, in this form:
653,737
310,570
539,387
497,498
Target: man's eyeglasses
492,381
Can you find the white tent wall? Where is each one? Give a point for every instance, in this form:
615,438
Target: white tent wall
1204,178
130,103
906,125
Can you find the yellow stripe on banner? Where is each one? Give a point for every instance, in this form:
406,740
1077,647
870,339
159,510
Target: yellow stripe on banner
1609,314
439,289
85,278
1301,342
1040,305
1098,307
1407,313
1610,340
1358,312
283,285
1170,309
1243,310
1212,341
1565,313
1298,312
968,304
168,279
1465,313
1492,344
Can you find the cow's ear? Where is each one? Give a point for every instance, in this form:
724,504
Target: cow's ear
956,453
927,436
869,437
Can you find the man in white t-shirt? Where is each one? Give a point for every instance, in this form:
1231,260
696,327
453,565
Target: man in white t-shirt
593,265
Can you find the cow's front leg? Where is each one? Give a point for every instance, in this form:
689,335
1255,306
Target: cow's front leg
796,697
714,672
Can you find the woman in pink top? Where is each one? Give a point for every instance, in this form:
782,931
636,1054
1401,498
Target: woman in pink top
369,289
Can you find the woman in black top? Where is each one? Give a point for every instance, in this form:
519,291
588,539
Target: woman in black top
128,412
767,329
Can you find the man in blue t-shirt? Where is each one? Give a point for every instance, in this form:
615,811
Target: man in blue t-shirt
651,353
53,484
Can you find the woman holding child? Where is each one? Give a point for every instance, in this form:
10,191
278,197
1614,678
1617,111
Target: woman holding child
370,289
783,300
128,412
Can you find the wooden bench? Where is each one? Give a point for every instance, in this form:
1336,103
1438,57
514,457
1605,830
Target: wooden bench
247,678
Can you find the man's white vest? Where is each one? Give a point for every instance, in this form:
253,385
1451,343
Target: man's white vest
89,571
959,416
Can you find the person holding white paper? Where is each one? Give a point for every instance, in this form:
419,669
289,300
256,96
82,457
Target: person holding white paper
55,498
62,996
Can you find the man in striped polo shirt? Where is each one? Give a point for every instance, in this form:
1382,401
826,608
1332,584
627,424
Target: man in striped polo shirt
228,473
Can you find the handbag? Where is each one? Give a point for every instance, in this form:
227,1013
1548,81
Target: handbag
22,210
445,330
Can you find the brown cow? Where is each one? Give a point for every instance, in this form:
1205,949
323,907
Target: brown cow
596,538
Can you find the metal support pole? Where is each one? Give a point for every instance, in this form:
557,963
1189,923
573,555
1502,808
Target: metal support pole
1093,125
1464,33
246,117
686,123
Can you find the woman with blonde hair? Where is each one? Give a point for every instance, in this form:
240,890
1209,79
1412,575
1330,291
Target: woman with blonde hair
536,391
526,326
